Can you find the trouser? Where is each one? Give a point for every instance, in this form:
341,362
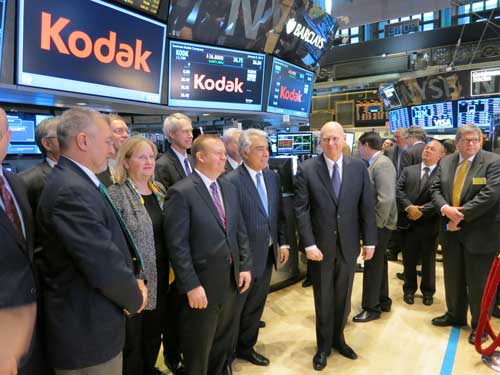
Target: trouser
111,367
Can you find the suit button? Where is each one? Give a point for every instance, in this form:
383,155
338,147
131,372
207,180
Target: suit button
338,216
335,232
33,291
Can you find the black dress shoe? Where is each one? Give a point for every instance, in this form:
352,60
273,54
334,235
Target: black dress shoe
472,337
409,299
175,365
366,316
400,276
319,361
262,324
496,312
346,351
307,283
428,300
385,308
446,320
254,357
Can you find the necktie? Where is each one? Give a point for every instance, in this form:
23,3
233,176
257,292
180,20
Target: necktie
336,180
10,207
136,256
187,167
218,203
425,178
459,183
262,193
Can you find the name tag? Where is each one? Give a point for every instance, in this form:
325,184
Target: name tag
478,180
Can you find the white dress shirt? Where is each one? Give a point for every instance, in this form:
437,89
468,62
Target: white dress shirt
329,164
233,163
181,158
207,182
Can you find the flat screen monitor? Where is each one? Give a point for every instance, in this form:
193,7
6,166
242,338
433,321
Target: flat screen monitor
390,97
147,6
477,111
273,144
290,89
435,116
295,143
22,140
215,77
90,47
399,118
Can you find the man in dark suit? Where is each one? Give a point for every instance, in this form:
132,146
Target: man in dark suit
258,186
34,178
416,142
467,192
415,202
334,205
91,268
208,246
382,174
230,138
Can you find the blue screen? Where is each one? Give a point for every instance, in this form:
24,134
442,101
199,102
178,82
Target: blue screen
399,118
22,125
433,116
2,22
477,111
214,77
294,143
90,47
290,90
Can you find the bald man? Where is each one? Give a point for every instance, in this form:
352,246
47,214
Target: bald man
334,204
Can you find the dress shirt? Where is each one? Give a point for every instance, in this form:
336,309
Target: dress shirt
87,171
372,159
253,175
50,162
234,164
2,205
431,168
181,158
460,160
207,182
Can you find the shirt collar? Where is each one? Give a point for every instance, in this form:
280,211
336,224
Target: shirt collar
232,162
207,181
50,162
179,155
431,167
87,171
253,172
374,156
329,162
461,159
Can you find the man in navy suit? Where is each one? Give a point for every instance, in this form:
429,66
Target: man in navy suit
334,205
208,246
261,206
91,268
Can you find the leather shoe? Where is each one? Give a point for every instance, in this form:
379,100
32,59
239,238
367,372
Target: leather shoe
472,337
319,361
445,321
347,352
307,283
366,316
400,276
262,324
175,365
409,299
254,357
496,312
428,300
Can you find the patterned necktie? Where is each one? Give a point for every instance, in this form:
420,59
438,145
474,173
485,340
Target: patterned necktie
336,180
262,193
136,256
425,178
10,207
187,167
459,183
218,203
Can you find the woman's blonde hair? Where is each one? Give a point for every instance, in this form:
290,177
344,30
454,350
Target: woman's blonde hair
127,149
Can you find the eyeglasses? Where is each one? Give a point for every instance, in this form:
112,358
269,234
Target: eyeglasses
469,140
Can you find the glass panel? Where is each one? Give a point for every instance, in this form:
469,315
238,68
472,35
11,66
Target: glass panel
396,20
354,40
464,9
429,16
381,26
416,17
490,4
381,35
344,32
478,6
405,18
463,20
428,26
354,30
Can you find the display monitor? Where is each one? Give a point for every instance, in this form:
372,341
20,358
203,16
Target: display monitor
64,45
290,89
22,140
477,111
295,143
435,116
399,118
390,97
215,77
147,6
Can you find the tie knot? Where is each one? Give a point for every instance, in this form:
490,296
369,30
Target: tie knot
426,169
213,186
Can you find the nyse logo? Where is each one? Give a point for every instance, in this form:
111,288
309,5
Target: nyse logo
222,84
304,33
442,123
293,95
79,44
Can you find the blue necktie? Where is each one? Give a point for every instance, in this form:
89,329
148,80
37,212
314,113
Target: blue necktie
187,167
336,180
262,193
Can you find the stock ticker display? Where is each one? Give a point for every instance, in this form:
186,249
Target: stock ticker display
147,6
477,111
433,116
399,118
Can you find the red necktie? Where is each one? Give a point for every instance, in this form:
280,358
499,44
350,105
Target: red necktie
10,207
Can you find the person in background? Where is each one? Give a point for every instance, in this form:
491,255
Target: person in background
449,146
230,138
387,144
119,132
415,202
140,200
375,298
46,140
413,153
92,271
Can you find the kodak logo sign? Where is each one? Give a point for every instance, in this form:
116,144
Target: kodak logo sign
293,95
222,84
79,44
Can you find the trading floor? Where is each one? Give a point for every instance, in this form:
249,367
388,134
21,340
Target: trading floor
402,342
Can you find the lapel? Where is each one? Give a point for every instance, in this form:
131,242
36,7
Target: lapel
205,194
251,188
177,163
270,188
325,177
423,189
451,177
476,165
346,176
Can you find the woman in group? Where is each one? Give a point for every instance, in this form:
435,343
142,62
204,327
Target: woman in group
139,199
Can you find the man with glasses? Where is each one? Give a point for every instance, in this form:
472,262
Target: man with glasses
467,192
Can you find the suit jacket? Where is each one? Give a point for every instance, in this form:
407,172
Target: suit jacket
410,192
106,178
262,227
393,153
169,169
87,271
412,155
228,168
323,220
199,247
383,178
480,200
35,179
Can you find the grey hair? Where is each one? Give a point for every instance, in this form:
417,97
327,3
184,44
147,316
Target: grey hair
74,121
404,131
172,122
43,131
230,133
417,132
467,128
246,139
